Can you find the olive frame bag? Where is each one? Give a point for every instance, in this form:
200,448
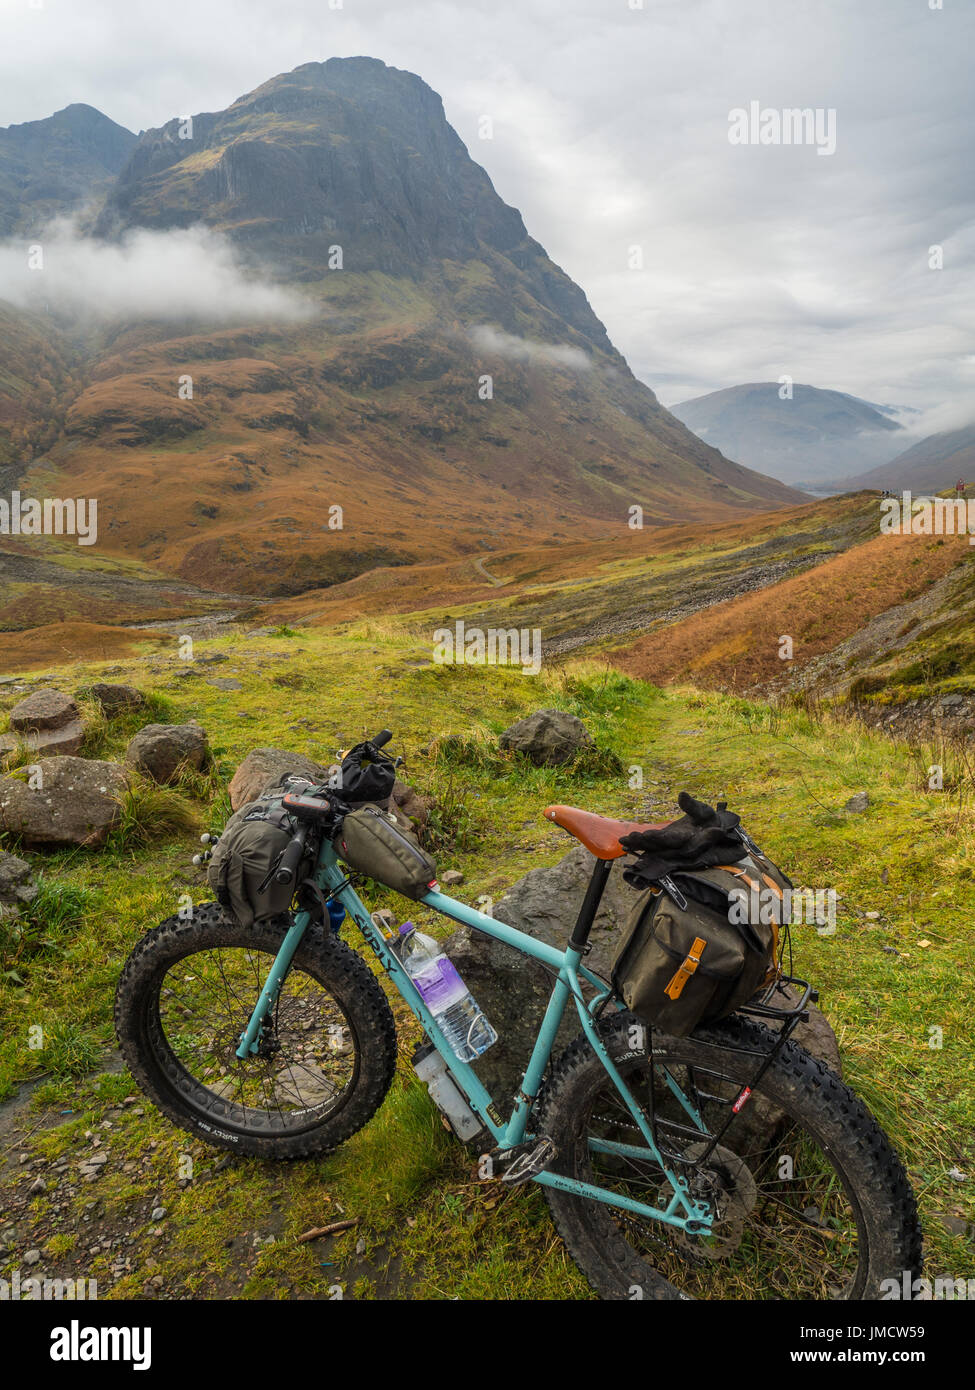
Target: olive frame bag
691,954
380,843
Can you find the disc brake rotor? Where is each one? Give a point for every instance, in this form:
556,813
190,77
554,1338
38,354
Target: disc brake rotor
726,1183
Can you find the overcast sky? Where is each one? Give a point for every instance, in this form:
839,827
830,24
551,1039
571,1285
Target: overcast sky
611,130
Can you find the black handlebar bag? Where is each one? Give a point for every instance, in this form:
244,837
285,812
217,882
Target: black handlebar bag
366,776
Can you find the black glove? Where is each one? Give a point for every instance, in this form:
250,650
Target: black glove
704,836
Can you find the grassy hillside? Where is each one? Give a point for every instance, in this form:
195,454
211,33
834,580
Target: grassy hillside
427,1228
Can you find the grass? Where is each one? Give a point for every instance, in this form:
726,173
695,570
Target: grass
151,813
892,985
41,926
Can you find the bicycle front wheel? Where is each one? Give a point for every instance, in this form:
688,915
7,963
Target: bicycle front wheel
808,1198
326,1056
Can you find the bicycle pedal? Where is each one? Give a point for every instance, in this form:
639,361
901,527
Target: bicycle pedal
529,1164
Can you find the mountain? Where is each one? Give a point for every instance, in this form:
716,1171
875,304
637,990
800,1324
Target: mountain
450,388
931,465
56,165
814,436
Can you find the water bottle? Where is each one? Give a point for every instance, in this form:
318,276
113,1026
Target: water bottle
445,994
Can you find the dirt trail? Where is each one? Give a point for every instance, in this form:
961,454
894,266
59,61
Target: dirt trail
491,579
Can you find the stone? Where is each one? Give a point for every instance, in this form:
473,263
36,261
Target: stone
513,991
17,885
264,768
161,750
412,803
548,737
226,683
77,802
157,1213
48,722
117,699
451,878
859,802
44,710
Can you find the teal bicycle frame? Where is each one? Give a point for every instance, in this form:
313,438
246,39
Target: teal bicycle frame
681,1211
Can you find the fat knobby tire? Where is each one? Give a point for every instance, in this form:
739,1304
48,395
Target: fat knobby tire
813,1095
324,957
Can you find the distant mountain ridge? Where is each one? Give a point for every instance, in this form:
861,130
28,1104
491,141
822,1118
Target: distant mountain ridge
57,164
811,436
932,464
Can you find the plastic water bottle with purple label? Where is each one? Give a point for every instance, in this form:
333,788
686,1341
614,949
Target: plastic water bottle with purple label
445,994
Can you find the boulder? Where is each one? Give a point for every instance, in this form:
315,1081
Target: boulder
264,768
513,991
160,750
17,886
857,803
117,699
48,722
77,802
548,737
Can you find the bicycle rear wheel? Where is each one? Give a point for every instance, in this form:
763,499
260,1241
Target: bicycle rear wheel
808,1197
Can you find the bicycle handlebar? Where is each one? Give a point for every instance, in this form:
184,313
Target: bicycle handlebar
291,856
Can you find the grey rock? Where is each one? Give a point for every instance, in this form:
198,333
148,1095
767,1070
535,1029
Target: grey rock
48,722
412,803
160,750
77,803
548,737
157,1213
32,1257
949,701
513,991
36,1187
264,768
45,709
225,683
451,878
17,886
116,699
859,802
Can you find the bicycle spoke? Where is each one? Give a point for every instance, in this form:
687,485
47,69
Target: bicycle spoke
205,1004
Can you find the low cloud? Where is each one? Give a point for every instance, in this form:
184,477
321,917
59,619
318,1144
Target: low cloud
488,339
941,419
183,273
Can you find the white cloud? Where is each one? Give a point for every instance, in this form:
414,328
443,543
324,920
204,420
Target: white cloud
496,343
180,274
610,129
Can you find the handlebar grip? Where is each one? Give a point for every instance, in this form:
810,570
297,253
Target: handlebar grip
291,857
381,738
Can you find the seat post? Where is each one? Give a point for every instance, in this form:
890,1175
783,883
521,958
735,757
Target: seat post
590,905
